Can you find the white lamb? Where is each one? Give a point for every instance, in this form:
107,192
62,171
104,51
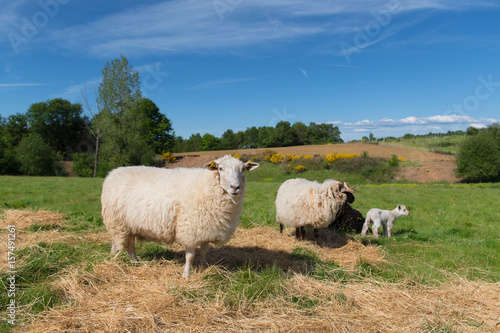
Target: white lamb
190,206
301,203
385,218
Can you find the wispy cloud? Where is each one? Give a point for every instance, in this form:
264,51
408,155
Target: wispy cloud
13,85
195,26
219,83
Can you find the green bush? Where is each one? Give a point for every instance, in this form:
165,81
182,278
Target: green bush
36,157
83,165
370,168
478,158
393,161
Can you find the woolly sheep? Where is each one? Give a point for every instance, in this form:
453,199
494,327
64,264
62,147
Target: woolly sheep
190,206
385,218
301,203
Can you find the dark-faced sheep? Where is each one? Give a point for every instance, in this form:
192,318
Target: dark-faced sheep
301,203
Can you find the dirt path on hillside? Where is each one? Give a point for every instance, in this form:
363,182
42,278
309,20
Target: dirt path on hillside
432,167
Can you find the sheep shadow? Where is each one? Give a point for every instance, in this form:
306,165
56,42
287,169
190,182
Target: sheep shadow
327,237
232,257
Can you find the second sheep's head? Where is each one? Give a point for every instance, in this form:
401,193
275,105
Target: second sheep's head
231,173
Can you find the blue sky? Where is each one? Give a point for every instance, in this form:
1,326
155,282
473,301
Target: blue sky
382,67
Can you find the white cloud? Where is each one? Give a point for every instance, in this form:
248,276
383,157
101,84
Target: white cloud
415,125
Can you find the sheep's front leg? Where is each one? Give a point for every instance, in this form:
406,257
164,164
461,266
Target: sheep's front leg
190,251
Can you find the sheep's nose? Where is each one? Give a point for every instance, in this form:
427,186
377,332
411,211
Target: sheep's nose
235,187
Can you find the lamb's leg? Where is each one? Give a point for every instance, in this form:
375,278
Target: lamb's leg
204,251
190,251
384,229
365,227
376,225
390,223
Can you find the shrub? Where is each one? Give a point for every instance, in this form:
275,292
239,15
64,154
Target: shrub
393,161
83,164
36,157
167,157
478,158
300,168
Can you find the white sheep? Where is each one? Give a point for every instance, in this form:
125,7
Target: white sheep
190,206
301,203
385,218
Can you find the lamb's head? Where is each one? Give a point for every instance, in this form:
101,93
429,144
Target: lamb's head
230,170
402,210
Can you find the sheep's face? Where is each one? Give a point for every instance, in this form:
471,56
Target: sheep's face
231,173
402,210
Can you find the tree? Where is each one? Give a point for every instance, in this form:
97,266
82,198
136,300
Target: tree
58,122
36,157
209,142
228,141
194,142
324,133
120,87
120,122
157,126
478,159
12,131
301,133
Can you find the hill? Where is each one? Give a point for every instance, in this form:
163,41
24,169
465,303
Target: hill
426,166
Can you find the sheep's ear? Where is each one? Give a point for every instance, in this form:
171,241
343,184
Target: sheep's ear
212,165
249,166
399,207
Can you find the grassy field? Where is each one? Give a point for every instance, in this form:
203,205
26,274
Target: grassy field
447,144
439,272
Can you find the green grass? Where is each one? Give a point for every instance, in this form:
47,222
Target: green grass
447,144
452,230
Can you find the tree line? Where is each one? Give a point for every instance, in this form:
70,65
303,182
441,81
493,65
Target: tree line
282,135
124,128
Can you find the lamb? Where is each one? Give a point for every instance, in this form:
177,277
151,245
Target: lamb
190,206
301,203
385,218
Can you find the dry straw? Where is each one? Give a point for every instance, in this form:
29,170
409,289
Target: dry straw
152,296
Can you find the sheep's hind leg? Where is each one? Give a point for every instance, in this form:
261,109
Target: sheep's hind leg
316,234
190,252
302,233
281,228
130,247
204,251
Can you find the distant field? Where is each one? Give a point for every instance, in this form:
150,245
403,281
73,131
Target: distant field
382,151
449,144
440,271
